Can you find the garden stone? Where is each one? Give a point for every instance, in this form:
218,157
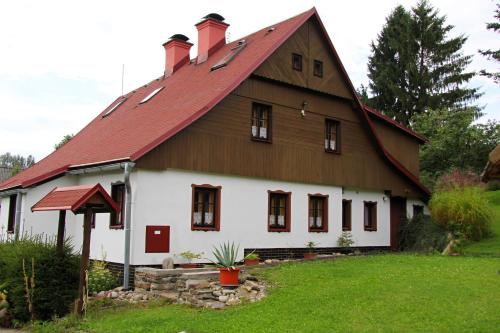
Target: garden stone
233,301
170,296
197,284
217,293
137,298
162,286
252,285
268,261
215,305
252,278
167,263
223,298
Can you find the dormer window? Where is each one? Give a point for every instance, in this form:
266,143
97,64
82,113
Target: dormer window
297,62
332,136
151,95
318,68
261,122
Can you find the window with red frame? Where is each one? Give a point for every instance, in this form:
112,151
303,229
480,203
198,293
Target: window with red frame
318,213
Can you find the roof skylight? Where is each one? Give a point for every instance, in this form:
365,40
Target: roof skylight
114,106
230,55
153,93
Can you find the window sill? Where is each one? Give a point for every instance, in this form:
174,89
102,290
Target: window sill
329,151
116,227
318,230
260,140
277,230
204,229
346,229
371,230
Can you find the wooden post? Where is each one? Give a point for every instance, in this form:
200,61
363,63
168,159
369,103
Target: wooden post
60,231
87,227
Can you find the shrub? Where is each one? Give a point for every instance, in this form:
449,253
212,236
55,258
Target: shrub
464,211
493,185
56,277
100,277
457,179
421,234
345,239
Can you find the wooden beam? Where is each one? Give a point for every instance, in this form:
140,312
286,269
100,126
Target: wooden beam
60,232
87,220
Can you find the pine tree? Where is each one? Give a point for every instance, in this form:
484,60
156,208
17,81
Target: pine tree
415,66
493,54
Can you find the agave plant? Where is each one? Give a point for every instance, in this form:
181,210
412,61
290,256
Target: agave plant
226,254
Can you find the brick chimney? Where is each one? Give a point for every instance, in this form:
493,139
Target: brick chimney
211,35
176,53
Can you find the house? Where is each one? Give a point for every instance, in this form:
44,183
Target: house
261,141
492,170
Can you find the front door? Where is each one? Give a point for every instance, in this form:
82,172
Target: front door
398,213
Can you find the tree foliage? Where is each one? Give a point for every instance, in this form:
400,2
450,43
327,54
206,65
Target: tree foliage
16,162
493,54
64,140
416,66
455,142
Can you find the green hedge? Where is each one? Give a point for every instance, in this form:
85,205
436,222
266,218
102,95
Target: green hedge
421,234
56,277
464,211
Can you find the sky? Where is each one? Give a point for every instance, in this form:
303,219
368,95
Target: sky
61,61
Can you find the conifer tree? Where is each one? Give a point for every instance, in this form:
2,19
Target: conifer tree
415,66
493,54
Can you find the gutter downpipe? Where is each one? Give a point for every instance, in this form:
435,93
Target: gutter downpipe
128,209
17,217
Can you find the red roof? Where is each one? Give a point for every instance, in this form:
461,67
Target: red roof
133,129
381,116
72,198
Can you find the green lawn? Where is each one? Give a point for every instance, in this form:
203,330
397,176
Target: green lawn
491,245
385,293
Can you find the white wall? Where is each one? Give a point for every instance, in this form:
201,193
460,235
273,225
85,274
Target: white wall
164,198
409,207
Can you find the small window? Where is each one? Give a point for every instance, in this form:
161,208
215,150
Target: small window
318,213
118,195
92,221
318,68
205,213
261,122
114,107
346,215
151,95
297,62
332,136
12,213
418,210
279,211
370,216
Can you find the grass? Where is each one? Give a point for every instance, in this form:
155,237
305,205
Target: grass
490,245
385,293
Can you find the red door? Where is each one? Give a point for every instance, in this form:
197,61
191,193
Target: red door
398,213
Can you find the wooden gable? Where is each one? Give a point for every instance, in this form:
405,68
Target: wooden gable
308,42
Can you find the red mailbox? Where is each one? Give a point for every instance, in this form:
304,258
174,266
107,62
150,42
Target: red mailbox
157,239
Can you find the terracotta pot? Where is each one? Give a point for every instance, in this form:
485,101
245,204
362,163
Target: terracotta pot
229,277
251,262
310,256
190,265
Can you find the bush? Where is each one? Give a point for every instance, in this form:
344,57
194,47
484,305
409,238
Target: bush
493,185
462,211
345,239
56,277
100,277
457,179
421,234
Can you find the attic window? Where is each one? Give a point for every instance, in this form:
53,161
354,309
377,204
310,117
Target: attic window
297,62
318,68
148,97
230,55
114,106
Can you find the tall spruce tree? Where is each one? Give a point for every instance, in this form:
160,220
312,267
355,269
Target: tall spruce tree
415,66
493,54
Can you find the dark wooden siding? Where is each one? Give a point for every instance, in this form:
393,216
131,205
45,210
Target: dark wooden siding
402,146
220,142
309,42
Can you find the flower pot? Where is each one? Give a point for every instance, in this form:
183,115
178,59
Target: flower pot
251,262
190,265
310,255
228,277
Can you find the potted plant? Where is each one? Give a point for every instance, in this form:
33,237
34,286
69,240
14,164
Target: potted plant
252,259
189,256
309,255
225,256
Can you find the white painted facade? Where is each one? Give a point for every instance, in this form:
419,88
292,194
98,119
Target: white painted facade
164,198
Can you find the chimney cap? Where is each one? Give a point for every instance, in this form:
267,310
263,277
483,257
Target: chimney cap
181,37
214,16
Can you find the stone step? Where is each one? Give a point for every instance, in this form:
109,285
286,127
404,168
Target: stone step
200,275
169,272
